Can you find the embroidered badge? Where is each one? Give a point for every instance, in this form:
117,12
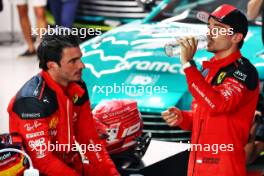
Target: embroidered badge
75,98
221,77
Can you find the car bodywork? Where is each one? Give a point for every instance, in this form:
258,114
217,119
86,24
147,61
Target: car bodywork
133,55
107,14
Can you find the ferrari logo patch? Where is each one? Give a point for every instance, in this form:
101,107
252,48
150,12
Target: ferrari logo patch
220,77
75,98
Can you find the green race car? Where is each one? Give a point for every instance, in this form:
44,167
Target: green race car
129,62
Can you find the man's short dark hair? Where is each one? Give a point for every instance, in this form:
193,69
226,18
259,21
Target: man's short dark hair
51,47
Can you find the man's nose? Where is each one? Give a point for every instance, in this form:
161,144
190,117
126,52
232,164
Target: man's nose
81,65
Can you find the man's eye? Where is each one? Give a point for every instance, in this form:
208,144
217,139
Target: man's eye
73,61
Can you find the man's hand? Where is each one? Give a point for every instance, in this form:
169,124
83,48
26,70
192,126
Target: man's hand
188,48
258,113
259,118
172,116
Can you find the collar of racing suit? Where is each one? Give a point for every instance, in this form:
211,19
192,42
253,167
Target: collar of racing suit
219,63
64,97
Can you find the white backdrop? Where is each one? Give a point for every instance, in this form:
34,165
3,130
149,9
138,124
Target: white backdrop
5,17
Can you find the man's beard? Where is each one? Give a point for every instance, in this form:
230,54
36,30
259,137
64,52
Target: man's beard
211,50
210,42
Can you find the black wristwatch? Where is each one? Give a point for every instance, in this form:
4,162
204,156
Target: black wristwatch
189,64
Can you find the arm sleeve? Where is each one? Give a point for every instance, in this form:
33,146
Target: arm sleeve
100,162
187,121
36,139
223,98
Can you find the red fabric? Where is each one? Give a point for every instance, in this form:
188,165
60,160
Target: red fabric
218,119
222,11
59,129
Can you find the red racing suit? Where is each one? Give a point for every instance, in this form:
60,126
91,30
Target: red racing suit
45,113
225,97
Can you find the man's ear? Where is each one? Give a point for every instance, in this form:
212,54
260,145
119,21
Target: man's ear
237,37
52,65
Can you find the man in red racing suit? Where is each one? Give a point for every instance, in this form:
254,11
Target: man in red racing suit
225,97
53,115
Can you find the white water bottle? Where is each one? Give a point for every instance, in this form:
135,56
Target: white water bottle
172,48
